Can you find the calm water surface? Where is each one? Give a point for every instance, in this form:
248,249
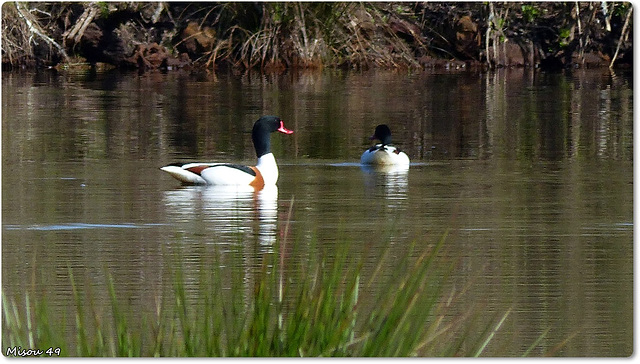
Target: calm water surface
530,174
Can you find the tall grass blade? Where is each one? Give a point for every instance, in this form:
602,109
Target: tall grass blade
535,343
491,334
29,326
560,345
12,322
82,348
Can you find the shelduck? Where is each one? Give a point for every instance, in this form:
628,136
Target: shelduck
384,154
264,173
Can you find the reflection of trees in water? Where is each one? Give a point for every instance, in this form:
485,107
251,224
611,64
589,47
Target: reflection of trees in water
550,116
508,114
518,114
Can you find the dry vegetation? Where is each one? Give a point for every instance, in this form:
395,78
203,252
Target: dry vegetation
243,35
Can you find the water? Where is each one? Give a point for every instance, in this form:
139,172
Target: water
530,174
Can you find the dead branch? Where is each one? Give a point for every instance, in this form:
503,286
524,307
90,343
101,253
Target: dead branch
34,28
623,34
81,25
158,12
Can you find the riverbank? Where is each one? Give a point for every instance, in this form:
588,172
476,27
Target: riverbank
353,35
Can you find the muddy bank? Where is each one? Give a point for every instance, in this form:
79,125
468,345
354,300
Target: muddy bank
276,36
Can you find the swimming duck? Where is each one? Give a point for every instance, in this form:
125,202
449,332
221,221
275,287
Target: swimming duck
384,153
264,173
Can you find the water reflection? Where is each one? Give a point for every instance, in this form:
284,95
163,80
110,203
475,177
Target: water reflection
231,213
78,226
512,114
387,181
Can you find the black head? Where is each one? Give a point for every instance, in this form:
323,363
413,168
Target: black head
262,130
382,133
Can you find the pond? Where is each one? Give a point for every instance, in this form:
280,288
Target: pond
529,174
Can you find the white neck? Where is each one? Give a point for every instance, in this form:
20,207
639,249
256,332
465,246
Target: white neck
269,169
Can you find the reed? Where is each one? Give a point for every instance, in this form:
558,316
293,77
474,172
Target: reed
281,35
322,305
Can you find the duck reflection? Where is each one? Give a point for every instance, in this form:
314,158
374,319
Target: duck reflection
389,181
225,214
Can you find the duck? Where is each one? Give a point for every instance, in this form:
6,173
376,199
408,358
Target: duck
384,153
264,173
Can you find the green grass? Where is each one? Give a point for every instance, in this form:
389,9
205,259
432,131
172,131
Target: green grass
322,305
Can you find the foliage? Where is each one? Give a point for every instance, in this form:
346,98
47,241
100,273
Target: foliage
530,13
322,307
279,35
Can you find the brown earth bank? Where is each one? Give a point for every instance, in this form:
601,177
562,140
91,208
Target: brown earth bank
282,35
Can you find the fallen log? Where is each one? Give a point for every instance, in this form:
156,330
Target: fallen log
77,31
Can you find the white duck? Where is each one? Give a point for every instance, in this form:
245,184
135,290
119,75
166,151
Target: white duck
384,154
264,173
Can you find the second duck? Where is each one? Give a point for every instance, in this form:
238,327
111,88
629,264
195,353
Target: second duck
384,153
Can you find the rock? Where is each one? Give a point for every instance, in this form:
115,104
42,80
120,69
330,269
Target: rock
182,61
468,38
406,30
513,55
590,60
195,41
510,54
90,43
154,56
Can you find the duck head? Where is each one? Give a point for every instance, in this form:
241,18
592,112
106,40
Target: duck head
382,133
261,133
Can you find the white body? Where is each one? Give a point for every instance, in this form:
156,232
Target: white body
268,168
219,174
383,157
